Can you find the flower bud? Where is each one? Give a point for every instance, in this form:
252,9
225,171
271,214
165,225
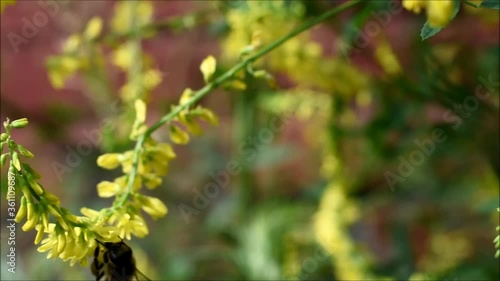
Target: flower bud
21,214
178,136
109,160
107,189
3,159
39,235
94,28
153,206
19,123
24,151
15,161
208,67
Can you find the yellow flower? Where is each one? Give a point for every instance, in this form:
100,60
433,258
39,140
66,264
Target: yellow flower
109,160
153,206
415,6
128,225
107,189
178,135
72,43
141,11
208,67
386,58
439,12
94,28
122,57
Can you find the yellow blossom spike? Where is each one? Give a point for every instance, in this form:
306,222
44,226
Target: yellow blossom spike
109,160
208,67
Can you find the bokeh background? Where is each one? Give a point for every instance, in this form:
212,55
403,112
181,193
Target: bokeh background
317,197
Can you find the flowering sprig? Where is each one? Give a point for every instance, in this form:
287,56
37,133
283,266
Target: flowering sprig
72,237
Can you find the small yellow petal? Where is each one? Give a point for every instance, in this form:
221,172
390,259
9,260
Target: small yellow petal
140,111
107,189
178,135
109,160
208,67
94,28
186,96
439,12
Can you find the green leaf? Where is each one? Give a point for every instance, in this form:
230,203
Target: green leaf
428,31
490,4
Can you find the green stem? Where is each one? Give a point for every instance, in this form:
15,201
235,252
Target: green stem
246,127
220,80
231,72
471,4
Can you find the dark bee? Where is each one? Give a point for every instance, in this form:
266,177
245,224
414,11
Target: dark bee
114,261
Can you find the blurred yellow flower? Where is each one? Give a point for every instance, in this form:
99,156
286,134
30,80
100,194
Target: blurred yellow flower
415,6
153,206
439,12
109,160
107,189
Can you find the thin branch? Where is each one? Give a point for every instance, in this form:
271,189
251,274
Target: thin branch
220,80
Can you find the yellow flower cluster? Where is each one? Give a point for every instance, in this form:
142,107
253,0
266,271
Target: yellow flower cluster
78,53
69,237
439,12
447,250
299,58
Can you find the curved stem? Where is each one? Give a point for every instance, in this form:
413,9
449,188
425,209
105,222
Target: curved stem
220,80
